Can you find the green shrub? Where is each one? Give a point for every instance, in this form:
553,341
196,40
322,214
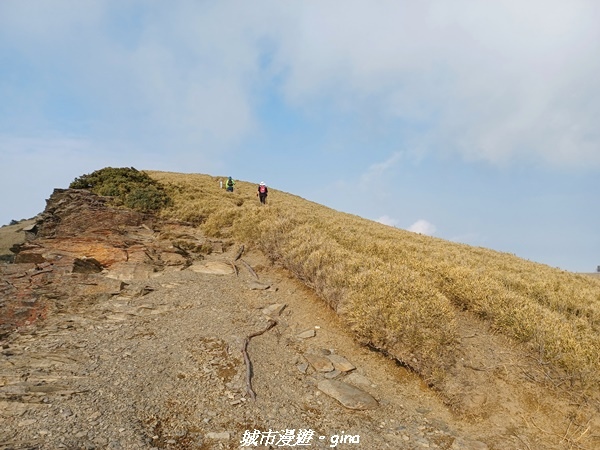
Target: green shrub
128,186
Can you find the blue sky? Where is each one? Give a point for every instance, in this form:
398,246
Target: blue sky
471,121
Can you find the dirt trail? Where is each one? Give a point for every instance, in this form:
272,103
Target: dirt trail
160,366
165,370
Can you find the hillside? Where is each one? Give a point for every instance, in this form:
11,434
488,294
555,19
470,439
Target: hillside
452,346
442,309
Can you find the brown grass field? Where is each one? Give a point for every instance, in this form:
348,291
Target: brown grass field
407,294
398,288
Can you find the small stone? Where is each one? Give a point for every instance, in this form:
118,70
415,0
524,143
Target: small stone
319,363
224,435
358,379
302,368
306,334
341,363
349,396
258,286
334,373
274,309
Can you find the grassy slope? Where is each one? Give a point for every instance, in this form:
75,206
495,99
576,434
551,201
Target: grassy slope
400,291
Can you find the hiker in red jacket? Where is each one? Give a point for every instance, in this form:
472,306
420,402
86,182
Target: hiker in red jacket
262,193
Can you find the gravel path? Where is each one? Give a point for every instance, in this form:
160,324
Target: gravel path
165,370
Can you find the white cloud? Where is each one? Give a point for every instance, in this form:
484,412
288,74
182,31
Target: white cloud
422,226
498,81
387,220
376,171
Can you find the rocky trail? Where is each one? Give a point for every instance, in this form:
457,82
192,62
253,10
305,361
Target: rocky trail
165,370
163,339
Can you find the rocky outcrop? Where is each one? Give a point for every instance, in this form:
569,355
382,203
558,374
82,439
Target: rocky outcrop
73,212
81,248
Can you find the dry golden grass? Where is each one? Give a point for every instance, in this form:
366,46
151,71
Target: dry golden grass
400,291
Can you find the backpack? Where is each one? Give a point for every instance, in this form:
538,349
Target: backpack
230,182
262,189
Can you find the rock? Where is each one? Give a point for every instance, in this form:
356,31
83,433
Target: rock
25,257
274,310
141,291
173,259
341,363
319,363
306,334
216,246
213,267
88,246
73,212
358,379
333,374
86,265
224,435
31,228
98,284
302,368
258,286
129,271
349,396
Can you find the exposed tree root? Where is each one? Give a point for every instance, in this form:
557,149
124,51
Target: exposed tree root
249,373
249,268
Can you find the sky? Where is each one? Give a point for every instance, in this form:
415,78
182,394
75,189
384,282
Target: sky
476,122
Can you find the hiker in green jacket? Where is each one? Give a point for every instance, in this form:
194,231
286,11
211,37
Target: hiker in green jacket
229,184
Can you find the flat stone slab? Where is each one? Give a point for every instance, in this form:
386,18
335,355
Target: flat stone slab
349,396
319,363
340,363
306,334
357,378
333,374
274,310
214,267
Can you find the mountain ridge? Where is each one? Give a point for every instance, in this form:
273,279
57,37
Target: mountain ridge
493,382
